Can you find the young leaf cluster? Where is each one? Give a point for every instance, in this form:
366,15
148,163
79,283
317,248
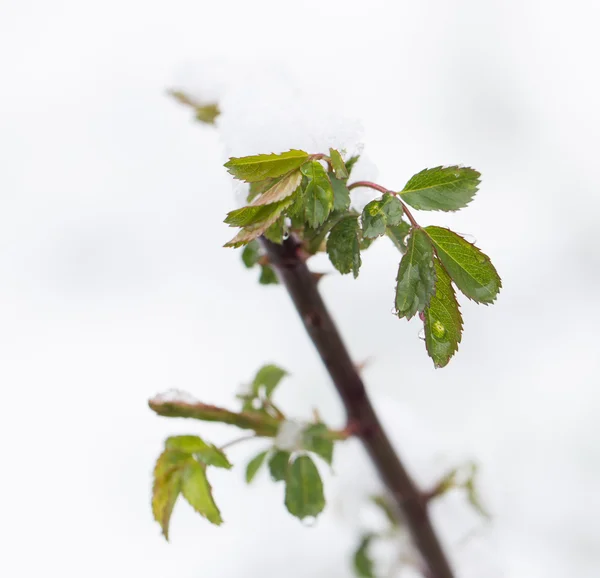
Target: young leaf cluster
181,469
308,195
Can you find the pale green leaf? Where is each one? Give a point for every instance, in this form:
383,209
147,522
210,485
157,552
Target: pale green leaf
281,189
251,232
261,167
385,505
254,465
441,188
343,246
259,187
197,491
416,276
443,321
167,486
339,168
207,453
278,465
304,495
318,194
267,379
470,269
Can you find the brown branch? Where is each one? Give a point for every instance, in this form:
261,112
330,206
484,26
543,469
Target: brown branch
300,284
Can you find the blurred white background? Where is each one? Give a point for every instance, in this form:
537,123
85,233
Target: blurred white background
114,284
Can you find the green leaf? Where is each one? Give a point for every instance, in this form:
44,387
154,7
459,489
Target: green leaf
473,495
207,113
254,465
261,423
343,246
207,453
443,321
278,465
351,162
377,215
398,235
251,232
416,276
341,194
275,232
268,276
280,189
339,168
251,254
363,564
315,440
268,377
470,269
304,489
166,487
259,187
318,194
441,188
260,167
197,491
253,214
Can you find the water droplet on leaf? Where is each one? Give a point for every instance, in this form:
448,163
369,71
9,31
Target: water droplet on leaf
309,521
422,334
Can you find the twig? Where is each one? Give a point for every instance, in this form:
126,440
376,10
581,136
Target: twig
300,284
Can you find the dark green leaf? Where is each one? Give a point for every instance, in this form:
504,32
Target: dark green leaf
197,491
254,465
275,232
268,377
262,424
268,276
304,489
207,453
251,254
315,440
343,246
339,168
341,194
380,213
441,188
470,269
278,465
280,189
318,194
261,167
416,276
398,235
351,162
363,564
443,321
